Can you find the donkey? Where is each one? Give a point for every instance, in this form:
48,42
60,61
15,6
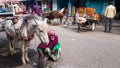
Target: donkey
29,26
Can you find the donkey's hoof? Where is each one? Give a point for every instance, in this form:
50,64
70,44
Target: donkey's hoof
11,53
24,63
27,60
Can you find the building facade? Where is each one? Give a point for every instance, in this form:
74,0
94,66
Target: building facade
99,5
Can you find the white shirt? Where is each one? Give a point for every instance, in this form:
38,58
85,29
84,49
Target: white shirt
110,11
81,19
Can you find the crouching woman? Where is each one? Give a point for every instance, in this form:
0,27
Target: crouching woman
52,49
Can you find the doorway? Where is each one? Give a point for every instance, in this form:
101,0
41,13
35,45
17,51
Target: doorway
79,3
117,4
62,3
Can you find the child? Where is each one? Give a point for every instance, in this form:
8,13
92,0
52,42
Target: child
52,49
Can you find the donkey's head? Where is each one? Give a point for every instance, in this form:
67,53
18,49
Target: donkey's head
32,24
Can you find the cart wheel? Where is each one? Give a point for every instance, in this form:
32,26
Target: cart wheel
65,24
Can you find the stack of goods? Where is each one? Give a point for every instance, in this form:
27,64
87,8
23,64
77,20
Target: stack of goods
73,11
81,11
90,10
96,17
90,13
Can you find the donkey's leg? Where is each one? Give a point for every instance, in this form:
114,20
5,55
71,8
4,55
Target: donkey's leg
11,48
10,44
27,43
23,53
26,54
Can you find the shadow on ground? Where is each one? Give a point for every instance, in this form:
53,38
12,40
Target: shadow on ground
15,61
99,28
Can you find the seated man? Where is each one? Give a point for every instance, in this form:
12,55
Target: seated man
52,49
80,20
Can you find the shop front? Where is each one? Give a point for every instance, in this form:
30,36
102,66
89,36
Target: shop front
99,5
70,4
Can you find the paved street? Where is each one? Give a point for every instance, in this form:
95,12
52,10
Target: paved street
92,49
89,49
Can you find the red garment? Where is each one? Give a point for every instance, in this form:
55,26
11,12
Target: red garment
24,12
48,5
51,43
30,38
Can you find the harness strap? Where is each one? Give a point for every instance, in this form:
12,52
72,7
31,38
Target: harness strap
39,31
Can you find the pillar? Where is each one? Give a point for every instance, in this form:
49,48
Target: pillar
70,7
54,6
